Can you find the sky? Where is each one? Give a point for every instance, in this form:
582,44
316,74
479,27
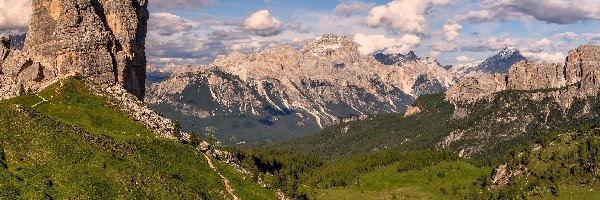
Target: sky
453,31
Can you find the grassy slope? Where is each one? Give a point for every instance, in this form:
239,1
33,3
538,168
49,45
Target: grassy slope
446,180
76,146
560,166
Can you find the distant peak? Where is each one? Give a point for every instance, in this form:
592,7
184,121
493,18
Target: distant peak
393,59
509,50
330,42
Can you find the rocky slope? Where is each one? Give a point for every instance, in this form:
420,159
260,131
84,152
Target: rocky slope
289,92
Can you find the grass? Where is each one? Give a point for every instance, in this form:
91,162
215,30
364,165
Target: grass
76,146
245,186
446,180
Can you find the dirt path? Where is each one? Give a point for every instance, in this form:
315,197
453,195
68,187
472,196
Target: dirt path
225,181
43,101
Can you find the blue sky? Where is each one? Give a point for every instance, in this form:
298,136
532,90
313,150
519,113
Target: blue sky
453,31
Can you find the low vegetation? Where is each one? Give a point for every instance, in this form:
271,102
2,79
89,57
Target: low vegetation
67,143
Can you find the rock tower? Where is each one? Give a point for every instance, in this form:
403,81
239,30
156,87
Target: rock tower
103,40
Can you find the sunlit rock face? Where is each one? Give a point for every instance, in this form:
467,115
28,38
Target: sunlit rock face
101,40
293,92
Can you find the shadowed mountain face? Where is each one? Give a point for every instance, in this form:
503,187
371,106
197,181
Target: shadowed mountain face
17,41
501,62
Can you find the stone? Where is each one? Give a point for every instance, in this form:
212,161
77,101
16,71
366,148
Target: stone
98,39
583,69
4,43
477,87
528,75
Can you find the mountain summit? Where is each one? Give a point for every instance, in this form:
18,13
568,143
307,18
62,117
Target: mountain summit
498,63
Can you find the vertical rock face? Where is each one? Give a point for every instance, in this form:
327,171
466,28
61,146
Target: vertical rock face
477,87
583,67
100,39
527,75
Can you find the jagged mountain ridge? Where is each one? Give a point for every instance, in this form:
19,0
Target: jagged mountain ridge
481,115
294,92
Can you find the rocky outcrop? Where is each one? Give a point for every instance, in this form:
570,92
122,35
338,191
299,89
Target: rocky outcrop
583,69
19,74
527,75
477,87
101,40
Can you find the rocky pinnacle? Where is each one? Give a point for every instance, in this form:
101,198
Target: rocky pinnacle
102,40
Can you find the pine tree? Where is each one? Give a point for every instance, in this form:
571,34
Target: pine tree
177,130
194,140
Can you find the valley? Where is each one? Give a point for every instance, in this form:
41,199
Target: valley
104,99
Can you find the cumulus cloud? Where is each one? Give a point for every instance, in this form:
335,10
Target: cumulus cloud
403,15
567,36
451,31
370,44
555,57
463,59
550,11
179,4
15,15
167,24
348,9
261,23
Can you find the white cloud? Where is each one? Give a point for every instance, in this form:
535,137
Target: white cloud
348,9
543,43
451,31
567,36
549,11
403,15
556,57
261,23
167,24
463,59
15,15
370,44
179,4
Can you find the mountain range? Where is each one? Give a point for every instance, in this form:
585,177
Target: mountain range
284,93
74,124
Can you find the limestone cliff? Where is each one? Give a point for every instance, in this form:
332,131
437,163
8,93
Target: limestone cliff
102,40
